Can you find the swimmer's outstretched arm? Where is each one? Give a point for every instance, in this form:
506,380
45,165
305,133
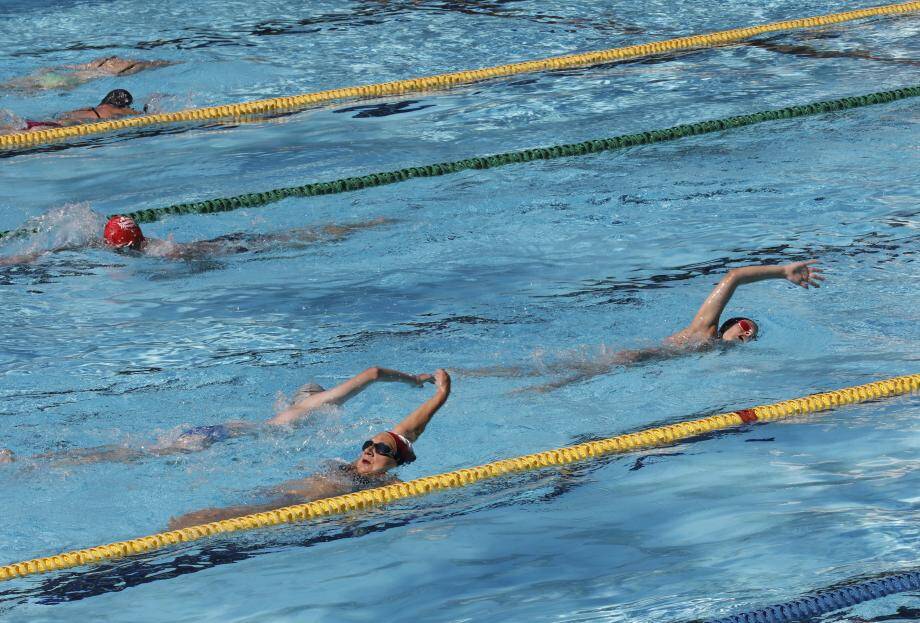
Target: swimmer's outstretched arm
233,244
339,232
706,321
345,391
208,515
28,258
25,258
414,424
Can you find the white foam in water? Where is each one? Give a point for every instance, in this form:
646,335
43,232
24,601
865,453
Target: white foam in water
10,121
72,226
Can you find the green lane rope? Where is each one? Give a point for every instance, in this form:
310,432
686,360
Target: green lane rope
348,184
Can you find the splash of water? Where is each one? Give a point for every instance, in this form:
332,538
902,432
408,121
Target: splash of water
10,121
71,226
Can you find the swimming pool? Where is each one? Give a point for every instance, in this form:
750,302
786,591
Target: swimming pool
534,263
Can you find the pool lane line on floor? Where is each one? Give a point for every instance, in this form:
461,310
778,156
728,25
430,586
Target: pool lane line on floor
369,498
828,600
448,80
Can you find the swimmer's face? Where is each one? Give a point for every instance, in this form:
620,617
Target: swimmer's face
371,462
742,331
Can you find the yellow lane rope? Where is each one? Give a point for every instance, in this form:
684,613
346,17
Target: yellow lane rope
443,81
460,478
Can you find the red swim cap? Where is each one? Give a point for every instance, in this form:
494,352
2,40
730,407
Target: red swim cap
122,231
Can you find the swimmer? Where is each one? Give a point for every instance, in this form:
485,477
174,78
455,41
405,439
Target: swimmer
305,402
379,455
116,104
124,235
704,332
71,76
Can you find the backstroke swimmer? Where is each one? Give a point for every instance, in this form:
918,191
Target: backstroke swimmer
124,235
379,454
395,445
116,104
704,332
71,76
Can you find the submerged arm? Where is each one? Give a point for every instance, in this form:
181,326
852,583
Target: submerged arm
584,371
292,492
208,515
25,258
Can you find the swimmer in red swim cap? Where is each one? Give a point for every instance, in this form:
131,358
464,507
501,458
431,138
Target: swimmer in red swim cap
122,232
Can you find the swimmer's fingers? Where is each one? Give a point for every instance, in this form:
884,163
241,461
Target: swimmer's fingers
800,273
811,275
421,379
815,277
442,380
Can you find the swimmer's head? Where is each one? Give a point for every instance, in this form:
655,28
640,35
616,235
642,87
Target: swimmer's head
383,452
739,329
119,98
122,232
305,391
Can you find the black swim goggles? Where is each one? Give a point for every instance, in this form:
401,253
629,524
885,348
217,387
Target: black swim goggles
379,448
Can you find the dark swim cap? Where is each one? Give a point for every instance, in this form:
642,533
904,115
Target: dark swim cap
118,98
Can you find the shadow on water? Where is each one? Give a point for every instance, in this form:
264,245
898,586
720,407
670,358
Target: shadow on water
383,110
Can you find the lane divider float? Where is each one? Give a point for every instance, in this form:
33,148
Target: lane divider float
448,80
829,600
369,498
594,146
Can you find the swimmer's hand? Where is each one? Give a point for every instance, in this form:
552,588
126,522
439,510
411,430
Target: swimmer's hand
421,379
6,456
442,381
804,274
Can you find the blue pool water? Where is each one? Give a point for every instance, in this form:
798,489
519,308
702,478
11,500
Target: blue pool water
533,265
